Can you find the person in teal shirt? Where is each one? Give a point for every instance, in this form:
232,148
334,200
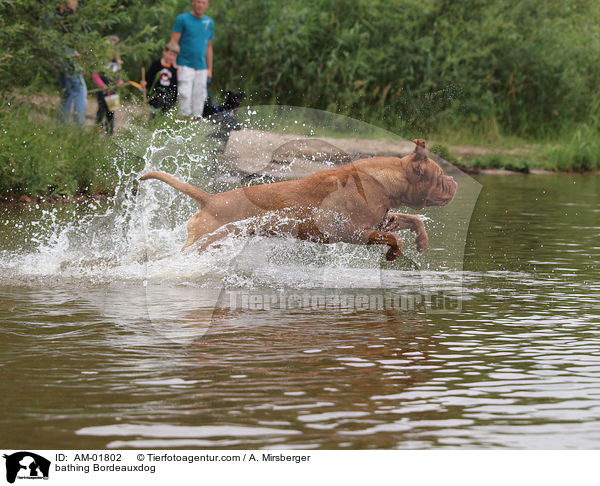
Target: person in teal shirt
194,32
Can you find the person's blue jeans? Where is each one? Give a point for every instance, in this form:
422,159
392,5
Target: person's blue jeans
74,96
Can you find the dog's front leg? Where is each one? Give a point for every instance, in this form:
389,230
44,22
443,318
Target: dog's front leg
376,237
399,221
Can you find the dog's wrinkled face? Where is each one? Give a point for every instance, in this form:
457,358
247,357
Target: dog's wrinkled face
442,189
428,185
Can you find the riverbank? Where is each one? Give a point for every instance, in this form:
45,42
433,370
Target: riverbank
40,162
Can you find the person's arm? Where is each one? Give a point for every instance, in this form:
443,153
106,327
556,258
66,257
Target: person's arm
98,80
151,77
177,31
175,36
209,58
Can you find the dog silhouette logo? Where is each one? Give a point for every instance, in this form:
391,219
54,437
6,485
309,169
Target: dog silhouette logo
26,465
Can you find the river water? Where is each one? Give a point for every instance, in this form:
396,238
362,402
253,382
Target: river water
110,337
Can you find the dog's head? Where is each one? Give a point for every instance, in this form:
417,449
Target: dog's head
427,183
233,99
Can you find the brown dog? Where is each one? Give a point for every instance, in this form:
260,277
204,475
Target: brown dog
349,204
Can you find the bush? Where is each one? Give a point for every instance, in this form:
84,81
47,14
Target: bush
405,64
38,159
502,161
580,153
444,153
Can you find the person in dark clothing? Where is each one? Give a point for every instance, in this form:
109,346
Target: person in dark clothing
161,81
106,97
103,81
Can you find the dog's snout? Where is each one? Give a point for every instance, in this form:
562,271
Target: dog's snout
451,181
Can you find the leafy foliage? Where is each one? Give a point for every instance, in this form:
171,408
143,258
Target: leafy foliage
37,158
36,41
417,64
520,66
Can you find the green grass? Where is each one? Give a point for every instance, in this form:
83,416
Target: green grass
39,158
579,152
573,148
500,161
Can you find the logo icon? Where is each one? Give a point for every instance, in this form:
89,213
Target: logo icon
27,465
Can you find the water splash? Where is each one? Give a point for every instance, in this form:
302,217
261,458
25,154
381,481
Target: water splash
136,236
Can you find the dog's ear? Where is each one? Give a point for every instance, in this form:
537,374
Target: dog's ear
419,157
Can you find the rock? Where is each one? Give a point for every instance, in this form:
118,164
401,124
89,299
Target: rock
312,149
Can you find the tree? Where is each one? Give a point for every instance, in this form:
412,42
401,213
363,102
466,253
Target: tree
34,37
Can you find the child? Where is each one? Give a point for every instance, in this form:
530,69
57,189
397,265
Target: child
103,80
161,81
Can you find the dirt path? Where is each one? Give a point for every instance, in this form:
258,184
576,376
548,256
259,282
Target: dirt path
42,102
254,150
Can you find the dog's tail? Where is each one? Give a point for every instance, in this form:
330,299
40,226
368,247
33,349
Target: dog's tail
198,194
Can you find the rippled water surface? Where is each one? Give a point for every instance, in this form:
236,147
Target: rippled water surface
152,348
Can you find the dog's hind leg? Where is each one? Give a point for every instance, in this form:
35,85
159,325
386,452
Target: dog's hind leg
208,229
198,226
219,234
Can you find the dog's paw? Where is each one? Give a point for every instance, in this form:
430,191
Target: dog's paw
394,252
422,242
